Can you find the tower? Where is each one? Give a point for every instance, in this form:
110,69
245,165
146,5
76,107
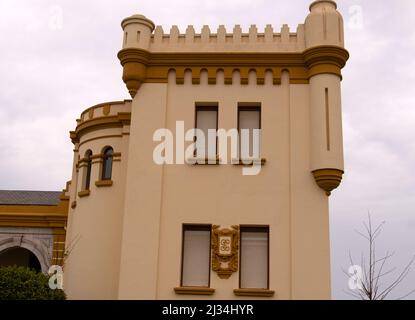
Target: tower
324,27
167,220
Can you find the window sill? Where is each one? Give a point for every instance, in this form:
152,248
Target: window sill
248,162
194,290
203,161
254,292
103,183
84,193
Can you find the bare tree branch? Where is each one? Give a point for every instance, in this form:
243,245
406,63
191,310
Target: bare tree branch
373,268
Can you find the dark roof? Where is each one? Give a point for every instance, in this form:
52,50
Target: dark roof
45,198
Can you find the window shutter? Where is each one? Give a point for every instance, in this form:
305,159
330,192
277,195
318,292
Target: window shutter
249,119
206,119
196,258
254,259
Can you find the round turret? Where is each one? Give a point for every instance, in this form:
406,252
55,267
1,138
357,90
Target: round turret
137,32
324,25
137,37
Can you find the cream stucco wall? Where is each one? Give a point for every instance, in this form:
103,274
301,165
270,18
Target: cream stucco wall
159,199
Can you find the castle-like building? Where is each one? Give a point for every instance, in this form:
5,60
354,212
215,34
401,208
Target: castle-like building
154,214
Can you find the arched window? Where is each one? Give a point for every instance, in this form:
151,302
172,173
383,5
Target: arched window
88,168
107,164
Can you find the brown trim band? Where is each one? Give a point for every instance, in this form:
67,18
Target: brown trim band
141,66
106,122
325,59
60,210
34,215
30,219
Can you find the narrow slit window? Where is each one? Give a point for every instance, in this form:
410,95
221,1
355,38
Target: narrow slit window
88,169
327,118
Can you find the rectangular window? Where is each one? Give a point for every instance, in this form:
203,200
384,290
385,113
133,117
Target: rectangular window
206,120
196,256
249,121
254,260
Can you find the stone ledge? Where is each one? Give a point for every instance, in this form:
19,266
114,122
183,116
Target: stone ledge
84,193
194,290
254,292
103,183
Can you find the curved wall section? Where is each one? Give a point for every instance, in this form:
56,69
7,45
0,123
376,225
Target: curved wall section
95,217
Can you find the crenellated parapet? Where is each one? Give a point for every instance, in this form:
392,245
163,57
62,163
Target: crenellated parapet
139,32
323,24
222,40
148,53
106,115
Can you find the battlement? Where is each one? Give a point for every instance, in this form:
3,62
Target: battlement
148,53
222,40
115,114
322,26
107,109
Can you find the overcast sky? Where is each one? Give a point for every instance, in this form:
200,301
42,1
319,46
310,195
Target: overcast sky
59,57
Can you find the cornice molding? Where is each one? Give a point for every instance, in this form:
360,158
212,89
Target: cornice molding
141,66
99,123
32,217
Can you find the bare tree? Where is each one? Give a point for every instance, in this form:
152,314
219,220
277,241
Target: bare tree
368,277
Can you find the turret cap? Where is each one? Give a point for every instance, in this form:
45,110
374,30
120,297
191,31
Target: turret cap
140,19
328,2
